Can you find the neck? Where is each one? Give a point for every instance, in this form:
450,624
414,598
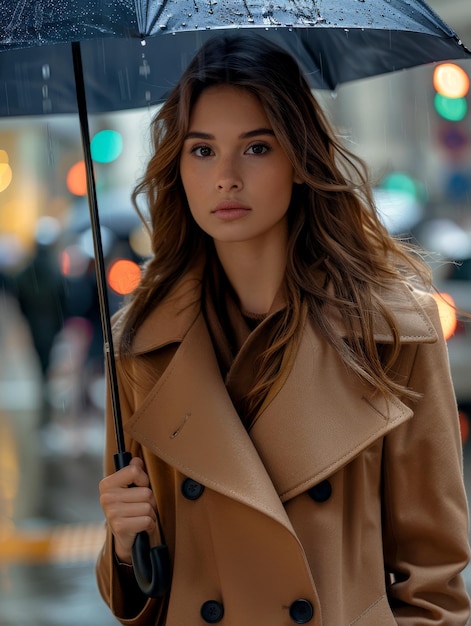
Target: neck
255,272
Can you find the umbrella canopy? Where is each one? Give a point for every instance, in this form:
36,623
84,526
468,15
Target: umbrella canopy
131,57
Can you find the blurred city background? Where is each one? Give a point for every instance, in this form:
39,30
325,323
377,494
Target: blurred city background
414,130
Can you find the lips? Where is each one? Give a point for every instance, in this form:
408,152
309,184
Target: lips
231,210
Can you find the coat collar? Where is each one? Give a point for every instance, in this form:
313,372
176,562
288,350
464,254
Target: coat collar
169,322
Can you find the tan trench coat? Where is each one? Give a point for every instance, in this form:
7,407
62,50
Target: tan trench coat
336,508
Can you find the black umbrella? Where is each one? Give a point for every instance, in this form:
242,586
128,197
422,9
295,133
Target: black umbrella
68,56
334,41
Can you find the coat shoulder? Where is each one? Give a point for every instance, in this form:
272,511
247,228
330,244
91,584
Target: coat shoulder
415,312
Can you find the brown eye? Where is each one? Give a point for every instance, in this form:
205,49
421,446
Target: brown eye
202,151
258,148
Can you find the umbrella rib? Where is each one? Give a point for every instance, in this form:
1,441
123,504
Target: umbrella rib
146,30
249,12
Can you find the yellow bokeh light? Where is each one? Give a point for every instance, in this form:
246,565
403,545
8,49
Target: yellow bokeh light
19,219
451,80
4,156
139,240
447,312
6,176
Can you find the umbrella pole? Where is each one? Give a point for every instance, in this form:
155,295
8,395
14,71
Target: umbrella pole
151,565
99,255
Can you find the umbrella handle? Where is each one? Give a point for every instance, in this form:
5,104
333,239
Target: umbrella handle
151,565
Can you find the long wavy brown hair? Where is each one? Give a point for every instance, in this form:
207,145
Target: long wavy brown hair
340,256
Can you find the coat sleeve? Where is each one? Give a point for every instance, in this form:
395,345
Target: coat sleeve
117,584
425,508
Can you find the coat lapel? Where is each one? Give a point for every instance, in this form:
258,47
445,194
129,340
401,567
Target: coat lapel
322,418
189,421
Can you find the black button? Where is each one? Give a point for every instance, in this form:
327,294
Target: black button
191,489
301,611
212,611
321,492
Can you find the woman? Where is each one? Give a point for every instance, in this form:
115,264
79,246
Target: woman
283,377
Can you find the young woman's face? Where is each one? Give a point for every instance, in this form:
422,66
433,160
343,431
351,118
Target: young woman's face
237,178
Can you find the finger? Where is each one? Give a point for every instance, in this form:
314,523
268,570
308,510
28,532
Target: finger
125,531
126,521
122,515
137,461
132,474
122,497
138,473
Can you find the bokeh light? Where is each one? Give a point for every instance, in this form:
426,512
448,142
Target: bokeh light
450,80
19,219
447,312
73,261
451,109
139,240
399,200
106,146
402,182
48,229
446,237
86,241
6,174
77,179
124,276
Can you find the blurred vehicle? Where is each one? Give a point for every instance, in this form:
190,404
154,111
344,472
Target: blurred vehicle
449,246
455,279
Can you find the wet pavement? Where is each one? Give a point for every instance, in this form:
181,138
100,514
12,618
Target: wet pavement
51,524
47,575
59,595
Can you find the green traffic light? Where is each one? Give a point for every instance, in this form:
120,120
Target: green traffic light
451,109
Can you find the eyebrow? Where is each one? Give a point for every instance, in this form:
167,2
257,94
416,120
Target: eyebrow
251,133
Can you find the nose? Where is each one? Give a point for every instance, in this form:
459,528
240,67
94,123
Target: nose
229,177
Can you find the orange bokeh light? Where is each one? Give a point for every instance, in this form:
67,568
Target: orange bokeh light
451,80
73,261
77,179
447,312
124,276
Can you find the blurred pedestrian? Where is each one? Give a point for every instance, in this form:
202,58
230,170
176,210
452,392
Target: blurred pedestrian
40,290
284,380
